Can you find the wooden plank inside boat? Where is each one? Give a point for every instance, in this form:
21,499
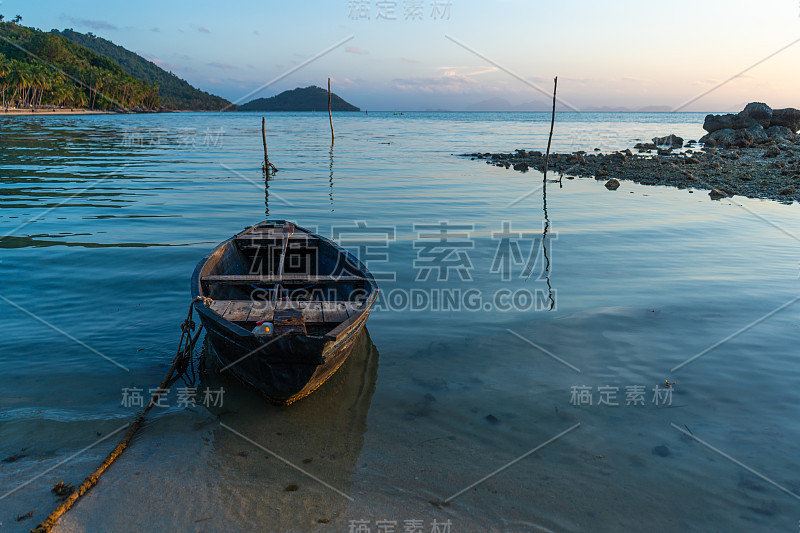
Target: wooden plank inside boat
261,310
334,312
310,311
288,321
354,307
234,279
220,306
238,311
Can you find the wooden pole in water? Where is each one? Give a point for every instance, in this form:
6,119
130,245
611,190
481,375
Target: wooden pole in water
264,140
330,116
552,123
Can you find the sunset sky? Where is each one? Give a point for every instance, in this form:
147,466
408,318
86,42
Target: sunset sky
606,54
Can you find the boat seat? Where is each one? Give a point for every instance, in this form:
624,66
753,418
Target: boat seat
246,279
311,311
289,321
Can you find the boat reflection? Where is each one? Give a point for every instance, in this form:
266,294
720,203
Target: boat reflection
321,436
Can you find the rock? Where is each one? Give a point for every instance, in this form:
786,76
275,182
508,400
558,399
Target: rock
760,112
492,420
743,121
612,184
772,151
661,451
670,140
662,151
787,190
643,147
721,138
713,123
780,134
601,173
788,117
716,194
759,134
740,138
522,167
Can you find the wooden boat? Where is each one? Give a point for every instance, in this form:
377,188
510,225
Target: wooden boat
315,293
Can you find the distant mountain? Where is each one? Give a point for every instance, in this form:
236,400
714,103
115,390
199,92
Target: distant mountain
173,92
301,99
655,109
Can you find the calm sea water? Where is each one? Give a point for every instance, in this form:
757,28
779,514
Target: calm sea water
484,354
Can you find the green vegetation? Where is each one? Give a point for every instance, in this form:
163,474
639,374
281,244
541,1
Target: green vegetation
65,73
301,99
174,93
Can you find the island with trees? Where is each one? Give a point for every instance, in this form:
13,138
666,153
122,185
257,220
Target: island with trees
41,70
301,99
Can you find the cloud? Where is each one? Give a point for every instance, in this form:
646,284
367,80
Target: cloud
407,60
202,29
218,64
155,30
448,83
94,24
471,71
355,50
167,66
346,82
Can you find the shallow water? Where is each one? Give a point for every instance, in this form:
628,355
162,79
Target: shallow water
104,218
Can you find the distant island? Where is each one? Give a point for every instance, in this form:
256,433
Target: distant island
90,73
301,99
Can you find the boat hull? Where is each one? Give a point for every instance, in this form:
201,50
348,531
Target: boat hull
283,369
301,354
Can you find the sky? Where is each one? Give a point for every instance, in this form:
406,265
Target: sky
461,54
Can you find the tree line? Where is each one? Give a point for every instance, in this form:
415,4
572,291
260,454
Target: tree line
45,69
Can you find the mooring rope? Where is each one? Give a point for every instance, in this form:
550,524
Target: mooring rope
179,365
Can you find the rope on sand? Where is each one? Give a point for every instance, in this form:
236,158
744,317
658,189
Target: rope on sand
179,365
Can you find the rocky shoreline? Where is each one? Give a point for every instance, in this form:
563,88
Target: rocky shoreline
751,164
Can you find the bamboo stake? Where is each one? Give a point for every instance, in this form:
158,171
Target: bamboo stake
267,164
552,123
330,116
264,139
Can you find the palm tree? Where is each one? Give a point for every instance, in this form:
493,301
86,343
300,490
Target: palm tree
17,19
21,79
2,17
5,66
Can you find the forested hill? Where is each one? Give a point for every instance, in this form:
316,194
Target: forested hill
81,78
301,99
174,93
